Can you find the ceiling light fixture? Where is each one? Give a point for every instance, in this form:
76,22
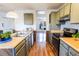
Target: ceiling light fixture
41,12
11,14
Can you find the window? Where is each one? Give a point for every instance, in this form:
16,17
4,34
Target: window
28,18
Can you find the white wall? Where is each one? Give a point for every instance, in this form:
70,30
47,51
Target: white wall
19,22
8,23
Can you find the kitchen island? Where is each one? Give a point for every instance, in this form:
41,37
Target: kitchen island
18,46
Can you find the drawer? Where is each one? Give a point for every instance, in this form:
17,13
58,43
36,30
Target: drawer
19,45
73,52
64,44
21,51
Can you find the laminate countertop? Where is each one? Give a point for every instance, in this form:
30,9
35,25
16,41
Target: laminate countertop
56,31
72,42
13,43
15,40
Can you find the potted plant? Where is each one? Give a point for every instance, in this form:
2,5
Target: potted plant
5,36
76,36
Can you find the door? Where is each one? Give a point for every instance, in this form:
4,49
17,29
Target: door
41,36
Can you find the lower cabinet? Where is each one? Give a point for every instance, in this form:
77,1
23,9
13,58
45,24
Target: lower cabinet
66,50
23,48
27,46
20,49
63,51
29,43
72,52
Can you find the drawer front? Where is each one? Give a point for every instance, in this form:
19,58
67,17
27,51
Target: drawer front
21,51
64,44
73,52
19,45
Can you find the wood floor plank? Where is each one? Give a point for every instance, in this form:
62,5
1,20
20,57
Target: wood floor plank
40,50
41,47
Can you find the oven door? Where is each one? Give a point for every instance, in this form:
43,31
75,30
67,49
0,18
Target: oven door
56,43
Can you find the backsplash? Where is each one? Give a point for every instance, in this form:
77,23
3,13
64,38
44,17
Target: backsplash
54,27
69,25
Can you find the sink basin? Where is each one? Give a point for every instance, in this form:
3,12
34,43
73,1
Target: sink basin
20,34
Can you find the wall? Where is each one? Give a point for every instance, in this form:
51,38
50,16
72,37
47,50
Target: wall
28,19
69,25
19,22
6,24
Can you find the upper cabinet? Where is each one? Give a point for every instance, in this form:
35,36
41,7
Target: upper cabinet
61,12
57,17
67,9
53,18
74,13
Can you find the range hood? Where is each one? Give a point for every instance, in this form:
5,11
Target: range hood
64,19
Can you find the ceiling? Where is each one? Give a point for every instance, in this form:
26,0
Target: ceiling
33,6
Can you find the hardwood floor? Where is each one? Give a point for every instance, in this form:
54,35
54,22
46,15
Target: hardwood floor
41,50
41,47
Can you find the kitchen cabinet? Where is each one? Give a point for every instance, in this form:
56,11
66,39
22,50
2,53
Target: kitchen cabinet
29,42
61,11
54,17
20,49
66,50
74,15
63,51
27,46
67,9
72,52
18,46
64,11
57,17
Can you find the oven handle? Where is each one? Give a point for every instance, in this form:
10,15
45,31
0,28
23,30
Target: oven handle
55,37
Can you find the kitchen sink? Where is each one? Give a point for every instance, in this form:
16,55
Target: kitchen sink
21,34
